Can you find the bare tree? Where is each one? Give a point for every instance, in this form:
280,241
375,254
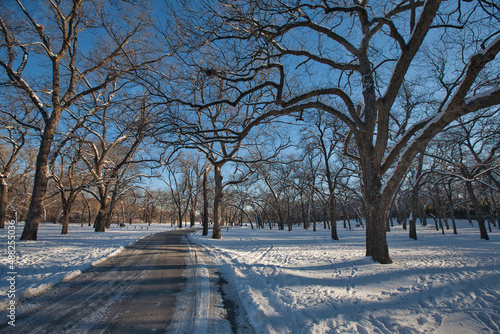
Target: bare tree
327,135
111,141
226,135
45,61
276,186
287,187
353,64
185,181
472,151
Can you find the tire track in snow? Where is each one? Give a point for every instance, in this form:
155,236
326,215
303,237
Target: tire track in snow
201,307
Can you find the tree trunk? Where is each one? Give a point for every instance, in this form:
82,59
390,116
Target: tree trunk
376,233
194,204
498,217
65,218
112,205
414,213
279,211
452,209
423,215
413,227
305,222
441,223
192,215
180,217
477,208
35,211
331,198
192,212
216,234
490,214
41,179
346,216
205,203
469,216
281,221
402,220
445,219
325,217
4,198
66,206
100,219
414,209
333,220
376,216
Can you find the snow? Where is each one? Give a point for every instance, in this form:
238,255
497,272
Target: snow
490,46
486,94
54,257
303,282
199,309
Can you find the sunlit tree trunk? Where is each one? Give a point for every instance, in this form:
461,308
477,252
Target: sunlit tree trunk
67,204
216,234
41,180
100,219
65,219
205,203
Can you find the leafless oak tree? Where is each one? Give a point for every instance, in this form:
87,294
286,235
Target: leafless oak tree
111,141
57,54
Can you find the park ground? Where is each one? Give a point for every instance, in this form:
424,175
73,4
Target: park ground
271,281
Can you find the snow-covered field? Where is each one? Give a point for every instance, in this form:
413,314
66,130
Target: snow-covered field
55,257
303,282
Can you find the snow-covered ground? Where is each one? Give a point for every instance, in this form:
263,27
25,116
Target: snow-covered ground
199,308
55,257
303,282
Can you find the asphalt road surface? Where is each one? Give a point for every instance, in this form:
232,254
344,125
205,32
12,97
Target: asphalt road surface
147,288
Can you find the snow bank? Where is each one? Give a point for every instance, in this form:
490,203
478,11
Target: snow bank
303,282
55,257
199,307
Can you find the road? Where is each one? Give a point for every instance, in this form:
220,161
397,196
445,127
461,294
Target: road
162,283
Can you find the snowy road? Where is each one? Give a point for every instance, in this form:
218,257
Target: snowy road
134,291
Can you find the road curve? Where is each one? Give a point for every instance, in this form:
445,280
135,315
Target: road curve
134,291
